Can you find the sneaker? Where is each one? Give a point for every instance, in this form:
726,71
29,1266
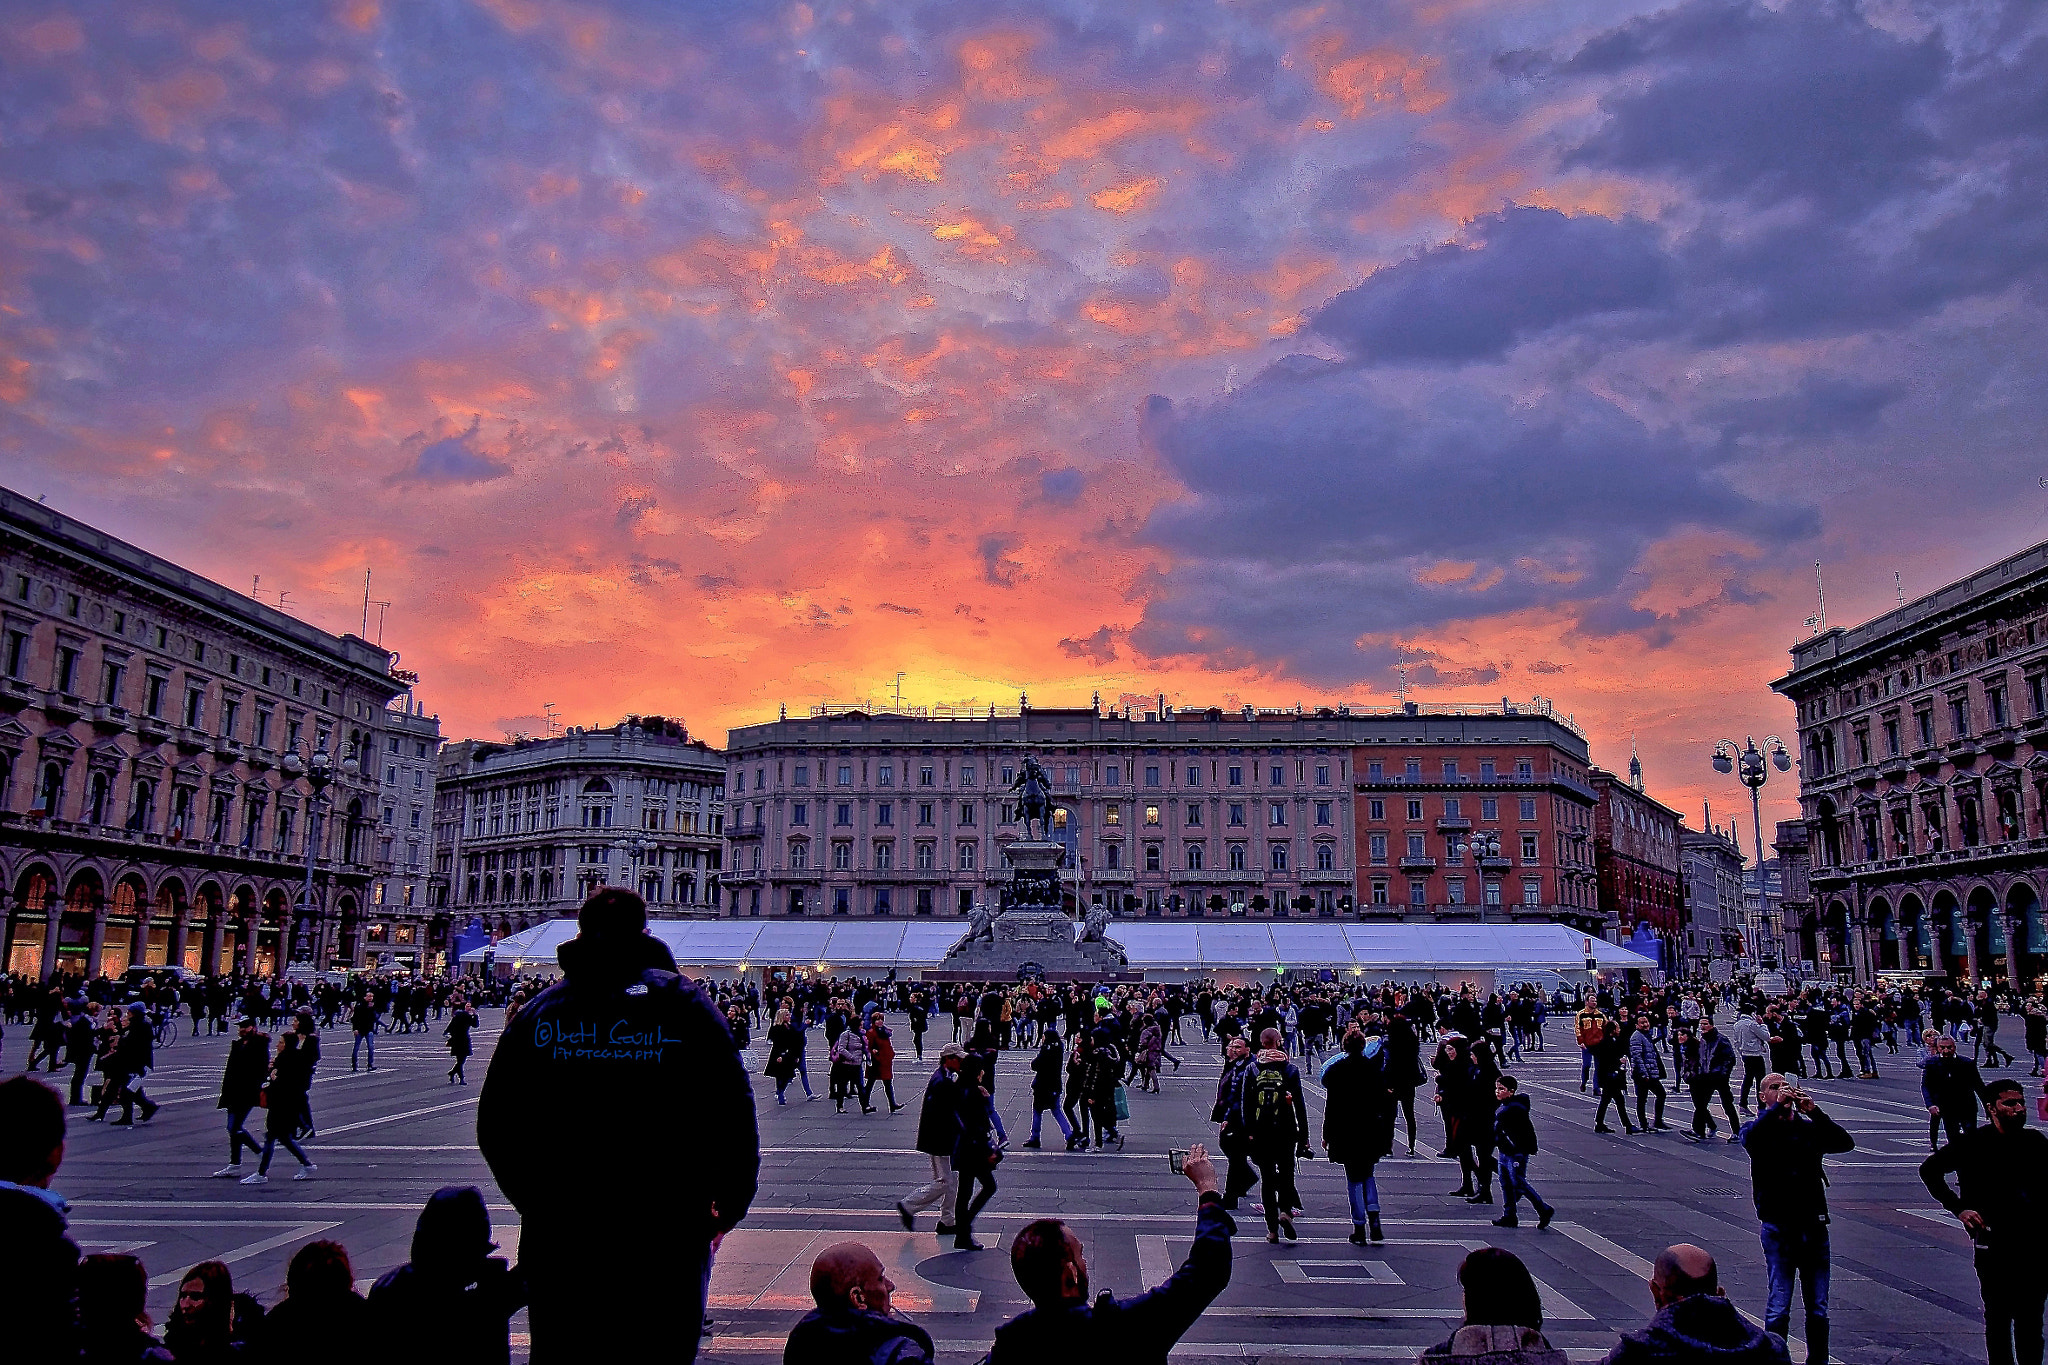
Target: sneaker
306,1172
945,1229
1507,1220
257,1179
909,1218
226,1171
1031,1143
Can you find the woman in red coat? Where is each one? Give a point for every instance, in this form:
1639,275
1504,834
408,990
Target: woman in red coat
882,1060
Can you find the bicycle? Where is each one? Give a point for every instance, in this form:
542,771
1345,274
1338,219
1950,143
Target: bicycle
164,1030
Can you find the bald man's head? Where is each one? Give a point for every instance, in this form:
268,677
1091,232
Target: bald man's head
1683,1271
847,1275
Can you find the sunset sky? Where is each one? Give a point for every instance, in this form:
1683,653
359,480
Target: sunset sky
705,358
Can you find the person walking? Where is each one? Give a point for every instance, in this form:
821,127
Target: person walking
1952,1088
2001,1196
938,1132
241,1089
1987,1032
1514,1137
362,1021
1646,1062
1589,1028
1786,1142
1276,1121
79,1037
285,1107
1752,1044
460,1022
1046,1069
136,1054
881,1062
1358,1126
1076,1105
1714,1062
786,1055
1610,1070
849,1069
619,1121
1231,1138
1105,1078
975,1153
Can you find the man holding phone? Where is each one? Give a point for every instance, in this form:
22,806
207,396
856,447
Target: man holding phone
2003,1174
1786,1143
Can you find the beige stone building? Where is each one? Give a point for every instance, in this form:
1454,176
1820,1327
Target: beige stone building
147,813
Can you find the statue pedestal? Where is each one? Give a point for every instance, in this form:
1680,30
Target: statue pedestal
1032,935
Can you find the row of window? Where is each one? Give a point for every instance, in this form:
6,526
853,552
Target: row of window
966,856
1455,847
1072,776
1919,674
1452,771
1454,890
1453,808
216,821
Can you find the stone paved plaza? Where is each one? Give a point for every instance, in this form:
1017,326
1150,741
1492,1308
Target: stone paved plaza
1903,1285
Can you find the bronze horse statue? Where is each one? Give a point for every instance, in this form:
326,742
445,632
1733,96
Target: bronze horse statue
1034,788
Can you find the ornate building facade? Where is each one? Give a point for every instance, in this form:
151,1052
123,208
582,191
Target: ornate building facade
1636,856
1716,919
400,929
1188,812
525,830
1923,738
148,814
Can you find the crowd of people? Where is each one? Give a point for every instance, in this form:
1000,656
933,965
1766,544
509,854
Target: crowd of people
622,1021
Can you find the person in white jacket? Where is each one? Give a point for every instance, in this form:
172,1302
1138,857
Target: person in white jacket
1753,1045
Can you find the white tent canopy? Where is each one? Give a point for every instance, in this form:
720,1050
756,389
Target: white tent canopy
1160,948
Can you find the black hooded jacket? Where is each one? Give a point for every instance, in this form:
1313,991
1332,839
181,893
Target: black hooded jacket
616,1105
1703,1329
452,1303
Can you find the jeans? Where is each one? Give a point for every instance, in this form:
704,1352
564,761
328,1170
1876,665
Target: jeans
1053,1108
356,1051
1866,1055
238,1135
2014,1294
270,1147
1364,1190
1797,1250
1515,1186
1585,1066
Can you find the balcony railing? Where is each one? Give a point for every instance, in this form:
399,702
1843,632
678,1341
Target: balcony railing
1417,862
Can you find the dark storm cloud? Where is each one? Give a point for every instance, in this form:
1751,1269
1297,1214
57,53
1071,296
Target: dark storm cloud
1325,517
1522,272
1837,179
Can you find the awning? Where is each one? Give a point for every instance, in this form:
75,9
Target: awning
1157,945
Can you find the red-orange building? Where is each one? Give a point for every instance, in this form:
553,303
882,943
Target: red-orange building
1475,814
1637,851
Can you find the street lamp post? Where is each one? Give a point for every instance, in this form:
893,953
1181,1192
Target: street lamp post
1484,846
1748,763
320,771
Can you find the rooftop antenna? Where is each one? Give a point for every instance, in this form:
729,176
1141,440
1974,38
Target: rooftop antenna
256,583
366,606
1402,695
382,607
1900,585
554,722
899,690
1818,622
281,596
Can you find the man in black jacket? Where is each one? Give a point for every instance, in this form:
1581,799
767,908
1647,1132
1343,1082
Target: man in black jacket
1063,1325
38,1262
938,1128
853,1323
1952,1088
241,1086
1515,1138
2002,1172
619,1120
1786,1142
